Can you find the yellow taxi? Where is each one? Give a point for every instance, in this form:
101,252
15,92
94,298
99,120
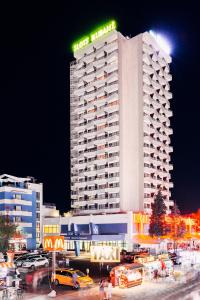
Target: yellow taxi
70,277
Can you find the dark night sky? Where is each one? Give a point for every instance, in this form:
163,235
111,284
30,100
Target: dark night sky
35,41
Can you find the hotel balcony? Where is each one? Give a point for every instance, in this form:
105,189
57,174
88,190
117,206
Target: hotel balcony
161,62
168,113
149,190
148,149
111,88
100,54
156,85
156,104
79,65
112,129
112,149
148,110
113,57
111,47
147,79
90,192
148,129
80,84
89,68
100,181
113,169
146,59
147,99
168,130
113,159
112,78
149,170
113,179
79,73
114,138
79,92
161,80
147,49
168,77
111,67
99,63
148,90
168,95
100,83
147,69
88,59
95,211
155,66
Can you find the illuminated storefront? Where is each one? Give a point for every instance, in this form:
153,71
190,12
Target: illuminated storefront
120,230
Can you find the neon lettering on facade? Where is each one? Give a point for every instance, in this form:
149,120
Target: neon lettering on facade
101,31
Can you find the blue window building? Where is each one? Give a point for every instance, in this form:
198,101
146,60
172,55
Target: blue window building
21,199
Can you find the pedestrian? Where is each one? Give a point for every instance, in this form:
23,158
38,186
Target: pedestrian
67,262
74,278
109,290
101,290
87,271
155,274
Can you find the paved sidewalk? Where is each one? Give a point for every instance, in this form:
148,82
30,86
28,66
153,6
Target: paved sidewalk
148,290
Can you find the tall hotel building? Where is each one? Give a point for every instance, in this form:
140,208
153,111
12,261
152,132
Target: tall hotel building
120,123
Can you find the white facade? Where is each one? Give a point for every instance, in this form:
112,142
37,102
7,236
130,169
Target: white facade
120,127
53,226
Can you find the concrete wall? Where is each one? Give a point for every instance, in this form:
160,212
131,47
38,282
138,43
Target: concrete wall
131,123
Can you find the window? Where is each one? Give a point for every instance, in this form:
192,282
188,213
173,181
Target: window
37,215
18,208
38,195
37,204
51,229
65,273
17,196
17,219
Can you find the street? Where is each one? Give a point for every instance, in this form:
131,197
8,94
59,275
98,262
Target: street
162,289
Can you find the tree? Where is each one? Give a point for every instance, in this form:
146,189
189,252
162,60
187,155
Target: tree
7,230
157,225
177,226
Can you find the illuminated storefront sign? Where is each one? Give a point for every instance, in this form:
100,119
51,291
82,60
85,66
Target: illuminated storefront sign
54,243
101,31
105,254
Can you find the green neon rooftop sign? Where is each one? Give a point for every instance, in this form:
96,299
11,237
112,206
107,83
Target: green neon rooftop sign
108,27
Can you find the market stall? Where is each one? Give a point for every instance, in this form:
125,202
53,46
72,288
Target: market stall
150,263
127,275
7,269
167,266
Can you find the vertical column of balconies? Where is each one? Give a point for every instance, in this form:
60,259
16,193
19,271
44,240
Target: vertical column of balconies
73,134
157,131
97,128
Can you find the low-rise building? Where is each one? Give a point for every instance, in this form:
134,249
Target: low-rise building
125,230
21,199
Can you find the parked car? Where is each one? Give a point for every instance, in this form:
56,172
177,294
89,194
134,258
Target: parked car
33,263
65,277
20,260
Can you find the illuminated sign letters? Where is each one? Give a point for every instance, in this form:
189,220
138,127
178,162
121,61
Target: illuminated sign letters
108,27
105,254
54,243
